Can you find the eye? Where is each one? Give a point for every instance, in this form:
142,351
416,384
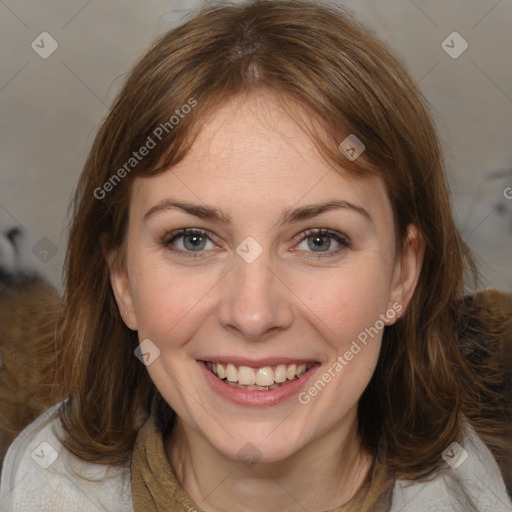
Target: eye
192,242
188,242
320,241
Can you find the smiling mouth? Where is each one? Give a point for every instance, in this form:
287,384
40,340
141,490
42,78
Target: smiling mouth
259,379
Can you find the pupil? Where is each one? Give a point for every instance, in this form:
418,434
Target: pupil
318,238
196,241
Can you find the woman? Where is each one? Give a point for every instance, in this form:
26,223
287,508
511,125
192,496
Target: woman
263,278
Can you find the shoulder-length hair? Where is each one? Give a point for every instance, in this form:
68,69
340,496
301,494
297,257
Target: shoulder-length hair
317,57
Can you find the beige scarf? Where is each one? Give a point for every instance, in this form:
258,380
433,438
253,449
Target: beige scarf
155,486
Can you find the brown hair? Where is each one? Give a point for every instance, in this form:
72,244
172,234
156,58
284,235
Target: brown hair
484,329
29,310
318,58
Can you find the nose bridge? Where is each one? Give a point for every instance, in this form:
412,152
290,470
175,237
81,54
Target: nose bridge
254,300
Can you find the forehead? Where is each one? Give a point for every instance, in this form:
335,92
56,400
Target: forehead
251,151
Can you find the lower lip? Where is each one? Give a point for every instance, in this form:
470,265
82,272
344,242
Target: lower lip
256,398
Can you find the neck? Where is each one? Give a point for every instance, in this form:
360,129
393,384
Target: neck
323,475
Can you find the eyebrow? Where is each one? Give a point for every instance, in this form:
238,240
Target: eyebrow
289,216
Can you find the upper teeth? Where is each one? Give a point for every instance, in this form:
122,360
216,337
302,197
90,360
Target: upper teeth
265,376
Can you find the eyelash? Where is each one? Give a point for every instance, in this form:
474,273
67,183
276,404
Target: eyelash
173,236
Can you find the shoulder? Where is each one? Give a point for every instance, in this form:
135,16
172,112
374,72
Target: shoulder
40,474
470,480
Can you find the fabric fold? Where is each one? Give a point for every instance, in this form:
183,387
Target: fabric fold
155,486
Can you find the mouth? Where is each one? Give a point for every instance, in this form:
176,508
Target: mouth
265,378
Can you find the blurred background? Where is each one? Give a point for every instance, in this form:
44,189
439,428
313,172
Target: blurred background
62,63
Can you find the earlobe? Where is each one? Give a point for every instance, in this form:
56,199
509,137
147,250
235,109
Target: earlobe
407,271
121,288
122,293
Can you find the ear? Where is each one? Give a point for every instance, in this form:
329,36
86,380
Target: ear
407,271
120,283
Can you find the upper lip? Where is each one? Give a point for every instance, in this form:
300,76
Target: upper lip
256,363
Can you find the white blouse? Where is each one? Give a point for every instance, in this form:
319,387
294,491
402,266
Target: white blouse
39,475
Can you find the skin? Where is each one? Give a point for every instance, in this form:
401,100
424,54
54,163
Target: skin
252,161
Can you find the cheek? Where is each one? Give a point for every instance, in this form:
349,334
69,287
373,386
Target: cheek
346,302
169,299
347,315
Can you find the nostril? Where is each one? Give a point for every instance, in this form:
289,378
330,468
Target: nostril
13,234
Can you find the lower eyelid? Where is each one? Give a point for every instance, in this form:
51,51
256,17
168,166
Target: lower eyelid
338,237
343,246
343,242
172,237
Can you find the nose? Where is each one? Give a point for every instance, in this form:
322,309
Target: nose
255,300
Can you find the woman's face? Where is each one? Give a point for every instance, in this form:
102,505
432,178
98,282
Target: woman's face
254,285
